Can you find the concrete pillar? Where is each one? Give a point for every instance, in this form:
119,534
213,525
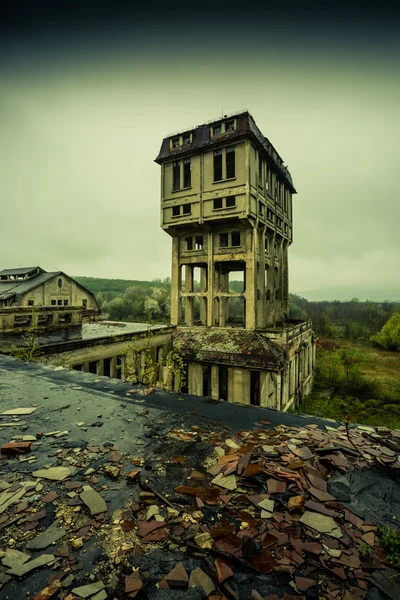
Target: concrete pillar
264,376
251,287
188,300
113,367
279,390
215,382
211,318
175,283
241,386
195,377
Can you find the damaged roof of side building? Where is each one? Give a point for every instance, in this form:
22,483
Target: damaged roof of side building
245,127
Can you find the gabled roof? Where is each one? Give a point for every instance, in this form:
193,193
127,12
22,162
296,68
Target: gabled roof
20,271
15,287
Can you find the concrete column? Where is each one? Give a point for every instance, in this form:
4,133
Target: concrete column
251,285
215,382
241,386
188,301
195,376
113,367
203,299
264,376
278,390
175,283
210,280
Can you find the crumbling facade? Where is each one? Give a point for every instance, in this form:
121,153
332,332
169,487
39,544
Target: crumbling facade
31,297
226,201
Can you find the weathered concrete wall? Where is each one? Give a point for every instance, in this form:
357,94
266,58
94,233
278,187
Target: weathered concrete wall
69,293
16,319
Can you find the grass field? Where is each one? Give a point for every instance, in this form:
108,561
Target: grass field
373,400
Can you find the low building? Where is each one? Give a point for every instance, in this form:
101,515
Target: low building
31,297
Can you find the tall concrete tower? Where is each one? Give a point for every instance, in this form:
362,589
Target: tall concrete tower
226,201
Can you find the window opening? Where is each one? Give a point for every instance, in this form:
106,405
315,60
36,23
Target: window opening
78,367
235,238
176,211
59,302
107,367
186,139
206,380
229,126
223,240
230,201
187,209
187,176
217,130
223,383
230,162
199,242
176,176
189,243
217,165
255,388
93,366
217,203
30,302
84,302
175,142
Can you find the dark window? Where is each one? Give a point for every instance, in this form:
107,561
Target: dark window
270,215
223,240
176,211
277,191
199,242
189,243
77,367
187,209
107,367
53,302
30,302
266,244
217,129
65,302
186,138
217,203
206,380
59,302
275,250
230,201
217,165
255,388
260,170
59,283
84,303
187,179
175,142
285,199
230,162
229,126
176,175
235,238
93,366
223,383
67,318
279,223
261,208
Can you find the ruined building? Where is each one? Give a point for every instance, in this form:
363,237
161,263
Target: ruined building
31,297
226,202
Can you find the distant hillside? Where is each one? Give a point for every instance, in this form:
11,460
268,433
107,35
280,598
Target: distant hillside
346,294
119,286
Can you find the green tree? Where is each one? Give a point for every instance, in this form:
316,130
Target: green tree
389,335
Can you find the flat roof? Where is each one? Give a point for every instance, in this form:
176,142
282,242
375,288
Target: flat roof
87,331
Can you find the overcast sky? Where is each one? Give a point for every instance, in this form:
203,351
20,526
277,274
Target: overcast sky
85,103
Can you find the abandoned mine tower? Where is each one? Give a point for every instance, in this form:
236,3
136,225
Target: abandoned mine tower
226,201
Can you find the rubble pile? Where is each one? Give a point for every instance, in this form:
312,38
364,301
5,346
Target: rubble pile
258,510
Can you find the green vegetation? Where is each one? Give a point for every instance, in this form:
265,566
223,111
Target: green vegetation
390,540
356,379
389,335
29,349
